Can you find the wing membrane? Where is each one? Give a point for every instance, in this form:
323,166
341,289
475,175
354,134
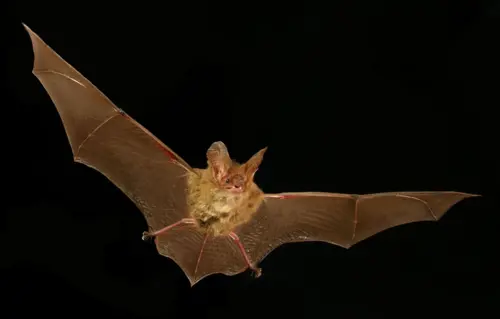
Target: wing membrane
106,139
339,219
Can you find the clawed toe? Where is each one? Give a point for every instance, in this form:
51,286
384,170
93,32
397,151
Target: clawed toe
257,272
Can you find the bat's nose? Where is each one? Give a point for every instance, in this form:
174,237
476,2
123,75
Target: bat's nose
238,181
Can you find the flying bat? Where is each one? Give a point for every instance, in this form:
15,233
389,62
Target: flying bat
216,219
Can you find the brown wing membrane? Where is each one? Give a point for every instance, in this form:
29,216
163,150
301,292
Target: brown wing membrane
339,219
106,139
200,255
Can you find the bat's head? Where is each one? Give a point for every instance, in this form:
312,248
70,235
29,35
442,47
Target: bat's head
228,174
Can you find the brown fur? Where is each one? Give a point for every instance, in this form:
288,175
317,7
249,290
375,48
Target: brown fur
216,208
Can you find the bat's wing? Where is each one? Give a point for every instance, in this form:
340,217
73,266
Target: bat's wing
108,140
339,219
155,179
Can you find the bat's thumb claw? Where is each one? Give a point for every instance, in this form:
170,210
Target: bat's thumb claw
146,236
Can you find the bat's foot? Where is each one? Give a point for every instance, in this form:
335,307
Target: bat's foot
185,221
257,272
147,236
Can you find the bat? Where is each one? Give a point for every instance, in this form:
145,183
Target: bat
216,219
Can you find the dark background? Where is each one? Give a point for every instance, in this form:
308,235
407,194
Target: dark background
350,96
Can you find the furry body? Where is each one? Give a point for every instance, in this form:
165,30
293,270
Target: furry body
218,210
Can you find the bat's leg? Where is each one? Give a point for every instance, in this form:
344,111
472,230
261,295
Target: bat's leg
185,221
257,271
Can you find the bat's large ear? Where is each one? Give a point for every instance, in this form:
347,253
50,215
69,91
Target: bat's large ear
218,159
254,162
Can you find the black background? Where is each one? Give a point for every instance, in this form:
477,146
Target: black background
350,96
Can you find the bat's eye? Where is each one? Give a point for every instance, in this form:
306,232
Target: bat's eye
227,180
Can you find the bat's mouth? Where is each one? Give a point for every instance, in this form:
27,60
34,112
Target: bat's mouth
235,189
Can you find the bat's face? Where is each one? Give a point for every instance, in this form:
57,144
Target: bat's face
235,181
230,175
